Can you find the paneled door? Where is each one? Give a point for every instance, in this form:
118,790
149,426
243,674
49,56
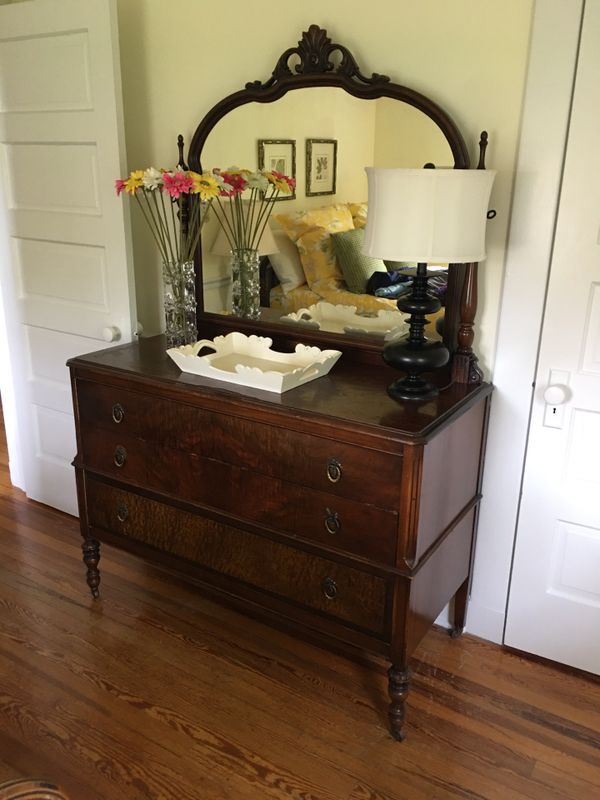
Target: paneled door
67,279
554,602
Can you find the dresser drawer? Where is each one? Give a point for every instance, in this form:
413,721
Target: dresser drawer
334,467
351,595
357,528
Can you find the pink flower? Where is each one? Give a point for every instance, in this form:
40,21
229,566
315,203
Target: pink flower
119,186
176,184
236,181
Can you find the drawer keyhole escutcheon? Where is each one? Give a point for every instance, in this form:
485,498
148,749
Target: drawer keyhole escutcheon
118,412
120,455
122,512
334,470
329,587
333,523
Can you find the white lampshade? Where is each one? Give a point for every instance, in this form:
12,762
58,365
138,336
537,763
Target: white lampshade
427,215
267,245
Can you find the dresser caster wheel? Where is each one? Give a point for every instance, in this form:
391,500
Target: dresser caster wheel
398,735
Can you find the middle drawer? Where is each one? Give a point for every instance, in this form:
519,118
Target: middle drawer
343,524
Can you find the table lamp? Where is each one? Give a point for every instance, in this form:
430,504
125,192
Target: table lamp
428,216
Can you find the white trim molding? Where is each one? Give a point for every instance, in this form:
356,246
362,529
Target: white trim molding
548,95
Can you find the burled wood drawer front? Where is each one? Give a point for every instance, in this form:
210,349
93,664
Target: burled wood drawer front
330,466
357,528
349,594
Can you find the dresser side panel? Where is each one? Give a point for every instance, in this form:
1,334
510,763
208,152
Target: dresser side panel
450,474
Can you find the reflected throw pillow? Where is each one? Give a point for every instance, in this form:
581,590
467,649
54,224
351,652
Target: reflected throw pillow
359,214
332,218
317,256
286,263
356,267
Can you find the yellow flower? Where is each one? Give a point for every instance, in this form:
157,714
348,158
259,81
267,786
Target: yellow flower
134,181
278,181
206,185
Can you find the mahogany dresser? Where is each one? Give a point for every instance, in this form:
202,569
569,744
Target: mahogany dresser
330,510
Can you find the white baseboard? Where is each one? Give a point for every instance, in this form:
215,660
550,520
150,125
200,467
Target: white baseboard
487,623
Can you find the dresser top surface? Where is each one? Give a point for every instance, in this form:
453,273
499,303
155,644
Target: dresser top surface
352,394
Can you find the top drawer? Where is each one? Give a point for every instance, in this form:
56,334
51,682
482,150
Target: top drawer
302,458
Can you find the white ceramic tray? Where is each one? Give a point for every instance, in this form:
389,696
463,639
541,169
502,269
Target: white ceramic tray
345,319
250,361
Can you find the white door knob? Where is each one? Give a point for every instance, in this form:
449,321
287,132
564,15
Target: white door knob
111,333
557,394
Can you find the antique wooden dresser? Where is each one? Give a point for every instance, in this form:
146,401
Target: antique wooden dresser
331,510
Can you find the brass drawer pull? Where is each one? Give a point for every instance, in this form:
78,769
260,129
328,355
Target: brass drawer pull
329,587
333,523
334,470
122,512
120,455
118,412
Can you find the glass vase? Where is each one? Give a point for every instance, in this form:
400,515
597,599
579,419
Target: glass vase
180,302
245,284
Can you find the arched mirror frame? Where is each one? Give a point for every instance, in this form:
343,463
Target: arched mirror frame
321,62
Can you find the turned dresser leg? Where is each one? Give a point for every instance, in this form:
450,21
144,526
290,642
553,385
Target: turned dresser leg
460,609
91,557
398,685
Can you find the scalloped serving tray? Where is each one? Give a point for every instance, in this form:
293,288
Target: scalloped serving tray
250,361
345,319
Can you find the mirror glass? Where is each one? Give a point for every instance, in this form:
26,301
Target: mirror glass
383,132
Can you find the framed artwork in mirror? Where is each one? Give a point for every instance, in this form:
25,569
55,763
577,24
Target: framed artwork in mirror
321,166
278,155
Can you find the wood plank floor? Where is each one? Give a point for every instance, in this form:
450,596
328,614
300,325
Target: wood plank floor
154,692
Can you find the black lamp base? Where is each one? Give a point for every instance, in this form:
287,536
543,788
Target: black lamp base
427,357
415,354
402,390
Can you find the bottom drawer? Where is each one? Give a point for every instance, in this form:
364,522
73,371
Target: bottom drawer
348,594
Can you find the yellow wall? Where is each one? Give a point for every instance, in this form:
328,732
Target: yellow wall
405,137
180,57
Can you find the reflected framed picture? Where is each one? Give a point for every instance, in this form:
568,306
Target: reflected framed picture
278,155
321,166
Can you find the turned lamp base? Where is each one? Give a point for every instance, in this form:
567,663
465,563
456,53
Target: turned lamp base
415,354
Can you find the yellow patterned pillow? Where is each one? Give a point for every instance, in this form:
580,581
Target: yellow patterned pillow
359,214
329,218
317,256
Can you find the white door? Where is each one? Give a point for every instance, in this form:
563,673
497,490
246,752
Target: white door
66,277
554,602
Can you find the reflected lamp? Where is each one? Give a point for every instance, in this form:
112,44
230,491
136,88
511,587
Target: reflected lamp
429,216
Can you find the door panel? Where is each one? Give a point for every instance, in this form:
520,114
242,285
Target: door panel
554,603
70,275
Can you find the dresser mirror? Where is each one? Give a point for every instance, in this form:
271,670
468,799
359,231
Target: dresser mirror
317,91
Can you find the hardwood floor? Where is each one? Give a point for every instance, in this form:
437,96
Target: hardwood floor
155,692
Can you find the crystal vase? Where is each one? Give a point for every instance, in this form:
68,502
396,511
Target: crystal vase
245,284
179,302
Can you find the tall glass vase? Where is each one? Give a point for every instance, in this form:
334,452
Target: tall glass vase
179,302
245,283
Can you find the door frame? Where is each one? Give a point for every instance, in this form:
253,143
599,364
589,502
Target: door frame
552,64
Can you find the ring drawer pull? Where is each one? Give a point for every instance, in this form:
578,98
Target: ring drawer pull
120,455
122,512
118,412
333,523
329,587
334,470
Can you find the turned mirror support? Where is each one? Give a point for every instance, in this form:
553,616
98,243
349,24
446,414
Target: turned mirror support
465,368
